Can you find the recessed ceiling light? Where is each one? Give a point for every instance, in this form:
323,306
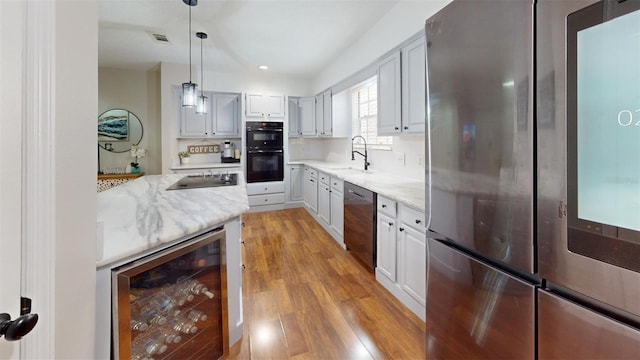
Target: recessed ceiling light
263,67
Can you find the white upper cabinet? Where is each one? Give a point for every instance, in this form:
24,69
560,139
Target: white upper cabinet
264,105
323,114
222,117
327,124
389,104
413,87
226,111
332,114
319,114
307,107
192,124
294,117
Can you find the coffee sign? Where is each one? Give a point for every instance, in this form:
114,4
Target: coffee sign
203,149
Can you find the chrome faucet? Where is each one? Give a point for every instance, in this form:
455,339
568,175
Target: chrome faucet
353,152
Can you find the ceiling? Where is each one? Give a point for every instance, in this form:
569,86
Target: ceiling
295,38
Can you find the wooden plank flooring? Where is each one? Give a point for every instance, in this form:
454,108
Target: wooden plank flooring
307,298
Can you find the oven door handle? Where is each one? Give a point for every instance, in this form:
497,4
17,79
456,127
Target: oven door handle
263,151
264,129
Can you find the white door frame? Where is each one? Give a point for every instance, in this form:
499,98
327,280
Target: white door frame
38,241
28,180
11,68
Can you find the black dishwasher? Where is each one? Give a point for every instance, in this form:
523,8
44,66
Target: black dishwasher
360,206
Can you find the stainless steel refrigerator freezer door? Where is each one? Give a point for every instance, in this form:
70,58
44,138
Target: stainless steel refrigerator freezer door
613,285
570,331
475,311
480,129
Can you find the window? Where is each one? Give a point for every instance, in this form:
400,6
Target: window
364,107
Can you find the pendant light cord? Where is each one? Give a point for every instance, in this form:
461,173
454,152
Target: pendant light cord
201,68
189,43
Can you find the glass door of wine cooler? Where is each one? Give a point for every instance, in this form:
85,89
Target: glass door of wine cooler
171,305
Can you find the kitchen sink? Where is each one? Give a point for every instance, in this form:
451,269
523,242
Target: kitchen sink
200,181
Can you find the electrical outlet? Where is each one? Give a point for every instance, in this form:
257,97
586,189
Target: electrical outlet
421,160
400,158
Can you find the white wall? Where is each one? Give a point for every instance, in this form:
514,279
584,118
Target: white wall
173,75
76,95
401,22
136,91
411,146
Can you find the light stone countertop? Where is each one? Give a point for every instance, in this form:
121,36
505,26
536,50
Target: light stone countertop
192,166
408,191
141,215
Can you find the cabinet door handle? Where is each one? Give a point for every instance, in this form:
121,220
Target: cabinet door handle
397,128
384,206
418,221
390,224
401,229
406,128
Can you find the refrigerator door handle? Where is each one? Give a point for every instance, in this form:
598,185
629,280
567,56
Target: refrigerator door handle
434,235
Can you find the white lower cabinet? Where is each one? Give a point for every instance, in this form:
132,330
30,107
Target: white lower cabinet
386,251
323,198
296,182
324,203
311,189
401,261
265,193
412,269
337,210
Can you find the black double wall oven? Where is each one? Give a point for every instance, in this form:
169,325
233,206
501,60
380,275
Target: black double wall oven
265,152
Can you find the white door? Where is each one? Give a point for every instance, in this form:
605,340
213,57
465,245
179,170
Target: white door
11,165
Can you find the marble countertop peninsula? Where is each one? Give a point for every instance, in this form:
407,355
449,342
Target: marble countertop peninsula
142,215
408,191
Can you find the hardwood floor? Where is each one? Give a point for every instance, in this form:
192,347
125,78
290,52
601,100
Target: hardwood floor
307,298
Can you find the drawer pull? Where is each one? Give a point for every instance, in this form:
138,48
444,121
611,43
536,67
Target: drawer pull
384,206
390,224
418,221
401,229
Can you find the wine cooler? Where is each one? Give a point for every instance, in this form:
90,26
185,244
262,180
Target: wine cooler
171,304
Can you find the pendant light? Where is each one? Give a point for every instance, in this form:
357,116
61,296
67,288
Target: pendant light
189,90
201,107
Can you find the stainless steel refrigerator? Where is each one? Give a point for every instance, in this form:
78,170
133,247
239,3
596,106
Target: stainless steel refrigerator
502,279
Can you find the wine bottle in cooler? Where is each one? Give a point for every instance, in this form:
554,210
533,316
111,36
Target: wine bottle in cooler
195,287
180,294
138,325
196,315
166,334
148,343
147,311
183,325
141,357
